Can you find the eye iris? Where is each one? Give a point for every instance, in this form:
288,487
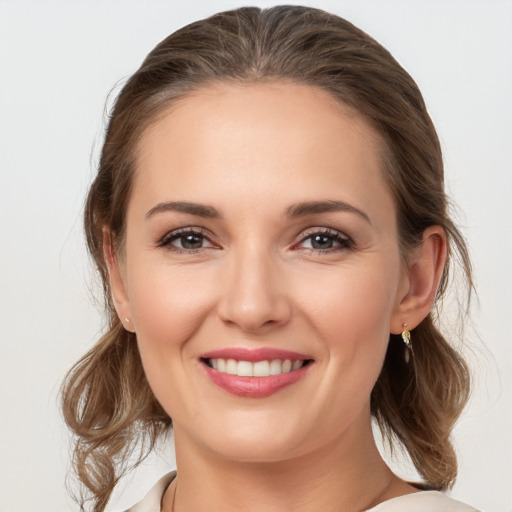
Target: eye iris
191,241
321,242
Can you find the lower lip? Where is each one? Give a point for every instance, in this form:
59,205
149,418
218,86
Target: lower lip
254,387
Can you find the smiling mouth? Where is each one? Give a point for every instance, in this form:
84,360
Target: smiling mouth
264,368
255,373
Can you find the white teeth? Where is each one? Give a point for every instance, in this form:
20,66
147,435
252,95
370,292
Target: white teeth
231,366
296,365
275,367
259,369
244,369
287,366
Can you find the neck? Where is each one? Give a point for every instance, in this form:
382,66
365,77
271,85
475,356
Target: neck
347,474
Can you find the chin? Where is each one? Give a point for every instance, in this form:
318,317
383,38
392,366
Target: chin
258,439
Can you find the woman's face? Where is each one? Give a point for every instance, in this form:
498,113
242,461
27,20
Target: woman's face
260,229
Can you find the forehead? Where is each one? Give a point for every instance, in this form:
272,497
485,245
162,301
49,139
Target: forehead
275,104
259,139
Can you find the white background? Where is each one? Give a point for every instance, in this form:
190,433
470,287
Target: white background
58,61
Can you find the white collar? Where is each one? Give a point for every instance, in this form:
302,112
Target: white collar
152,502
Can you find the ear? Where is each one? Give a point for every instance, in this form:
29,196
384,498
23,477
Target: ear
424,272
117,281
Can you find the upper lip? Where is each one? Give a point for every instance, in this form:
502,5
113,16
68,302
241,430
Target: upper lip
255,355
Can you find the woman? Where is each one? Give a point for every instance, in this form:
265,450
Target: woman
271,228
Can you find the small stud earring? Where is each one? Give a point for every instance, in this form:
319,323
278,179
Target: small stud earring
406,337
127,322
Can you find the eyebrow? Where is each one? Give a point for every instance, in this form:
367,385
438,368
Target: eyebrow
199,210
315,207
294,211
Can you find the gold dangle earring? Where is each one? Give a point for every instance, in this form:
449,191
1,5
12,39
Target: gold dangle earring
406,337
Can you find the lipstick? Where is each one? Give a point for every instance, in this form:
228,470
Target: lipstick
255,373
255,355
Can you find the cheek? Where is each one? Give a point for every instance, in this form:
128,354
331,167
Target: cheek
356,302
350,313
168,306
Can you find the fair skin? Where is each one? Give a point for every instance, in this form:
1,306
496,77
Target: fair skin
259,218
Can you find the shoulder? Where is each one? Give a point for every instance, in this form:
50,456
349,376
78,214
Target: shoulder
424,501
151,502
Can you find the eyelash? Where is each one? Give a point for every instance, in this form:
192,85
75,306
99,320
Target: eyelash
345,242
168,238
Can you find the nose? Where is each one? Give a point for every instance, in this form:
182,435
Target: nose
254,297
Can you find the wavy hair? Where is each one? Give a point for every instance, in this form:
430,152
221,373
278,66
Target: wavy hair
106,399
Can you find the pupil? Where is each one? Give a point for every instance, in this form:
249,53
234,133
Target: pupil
321,242
191,241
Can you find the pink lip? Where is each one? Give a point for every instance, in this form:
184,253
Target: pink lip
254,387
254,355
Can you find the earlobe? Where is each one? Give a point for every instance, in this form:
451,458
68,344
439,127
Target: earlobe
426,265
117,282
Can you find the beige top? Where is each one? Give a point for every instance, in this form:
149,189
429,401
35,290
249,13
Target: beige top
422,501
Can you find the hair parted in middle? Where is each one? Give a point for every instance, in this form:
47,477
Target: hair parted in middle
107,401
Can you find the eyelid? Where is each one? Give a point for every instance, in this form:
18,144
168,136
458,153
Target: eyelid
170,236
344,240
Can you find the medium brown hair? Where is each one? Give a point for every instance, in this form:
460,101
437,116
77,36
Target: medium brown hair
106,398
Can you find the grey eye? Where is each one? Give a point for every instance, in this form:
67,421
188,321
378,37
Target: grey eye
187,240
321,242
191,241
325,241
